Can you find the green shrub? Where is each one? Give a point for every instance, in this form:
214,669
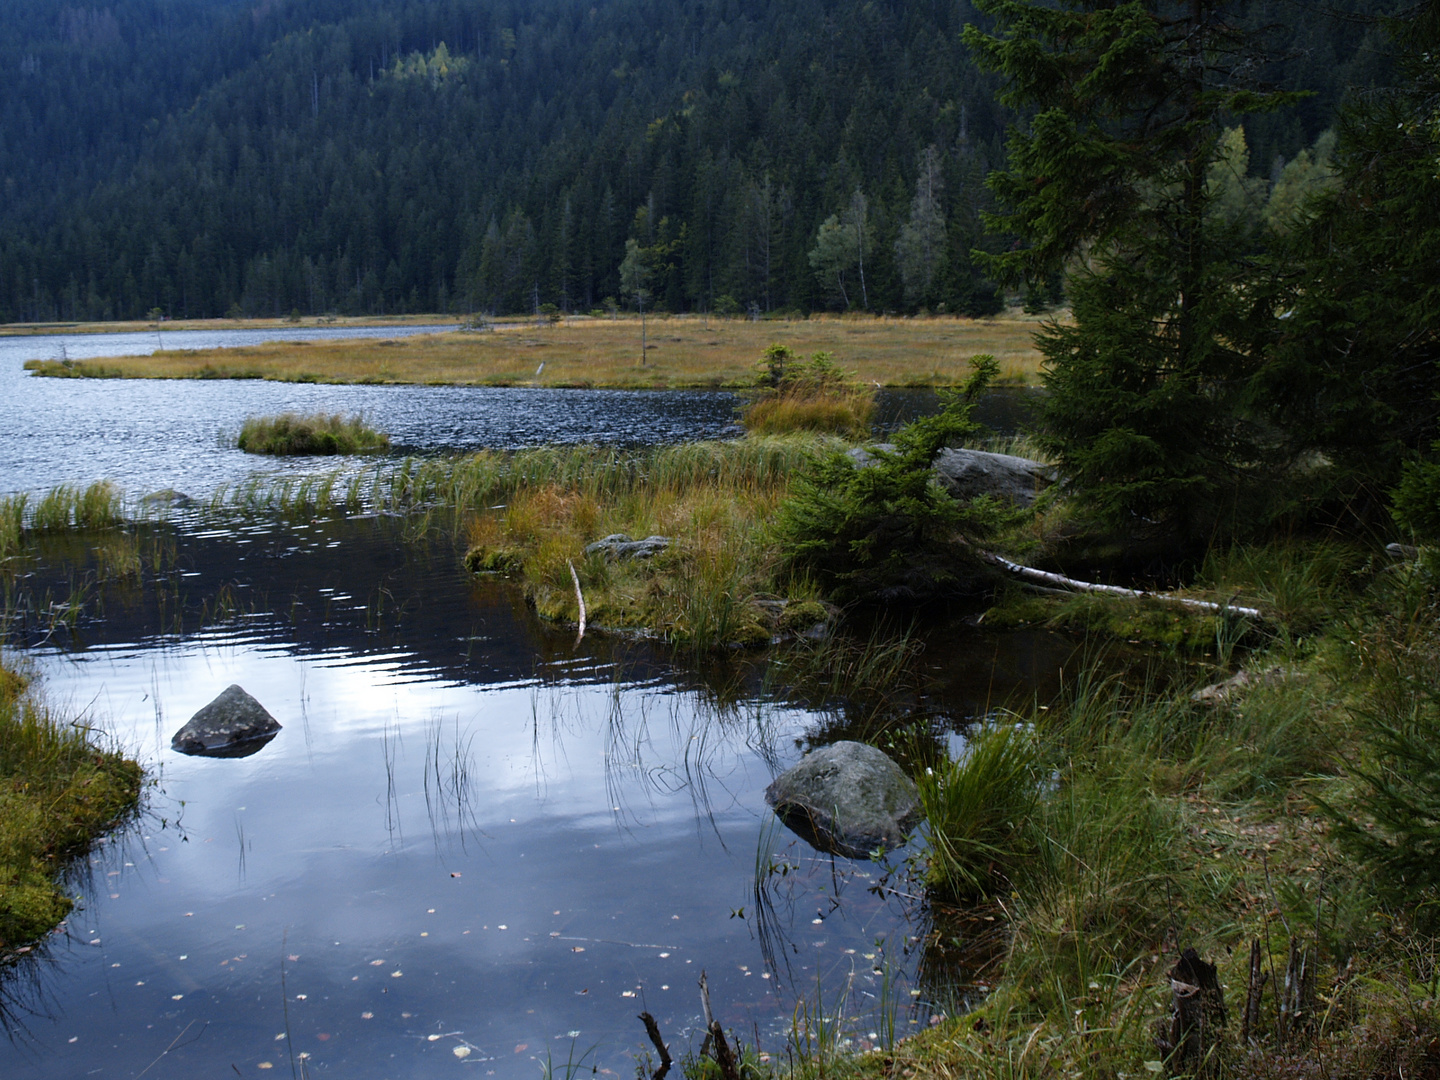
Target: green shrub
886,530
320,433
1395,829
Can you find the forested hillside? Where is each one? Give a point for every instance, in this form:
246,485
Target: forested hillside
206,157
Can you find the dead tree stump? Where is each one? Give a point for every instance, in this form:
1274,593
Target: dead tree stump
1254,988
1191,1040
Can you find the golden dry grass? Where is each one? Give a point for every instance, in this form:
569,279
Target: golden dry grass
684,352
132,326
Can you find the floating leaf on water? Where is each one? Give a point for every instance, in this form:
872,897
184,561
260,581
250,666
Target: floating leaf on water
577,948
461,1052
396,974
432,1038
265,1065
367,1016
521,1046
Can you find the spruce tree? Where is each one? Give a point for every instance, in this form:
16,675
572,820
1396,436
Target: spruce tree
1129,103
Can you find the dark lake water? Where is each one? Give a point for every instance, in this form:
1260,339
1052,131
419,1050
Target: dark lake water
152,434
471,834
475,844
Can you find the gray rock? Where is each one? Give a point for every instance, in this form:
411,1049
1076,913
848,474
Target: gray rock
167,497
228,727
620,546
862,456
1221,692
847,798
967,474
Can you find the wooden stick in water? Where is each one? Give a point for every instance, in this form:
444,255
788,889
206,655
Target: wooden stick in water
579,599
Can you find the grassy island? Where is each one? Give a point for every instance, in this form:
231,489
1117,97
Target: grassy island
290,435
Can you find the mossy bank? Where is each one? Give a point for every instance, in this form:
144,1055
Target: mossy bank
59,792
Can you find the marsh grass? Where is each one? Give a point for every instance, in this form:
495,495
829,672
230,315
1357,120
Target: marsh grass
1155,824
64,509
293,434
711,499
687,352
813,395
58,791
1303,582
978,809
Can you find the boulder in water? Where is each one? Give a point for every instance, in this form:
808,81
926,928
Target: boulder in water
847,798
228,727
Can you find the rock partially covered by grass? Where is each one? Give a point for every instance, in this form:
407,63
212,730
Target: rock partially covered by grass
58,792
319,433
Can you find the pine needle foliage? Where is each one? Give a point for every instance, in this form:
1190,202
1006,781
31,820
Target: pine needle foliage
883,529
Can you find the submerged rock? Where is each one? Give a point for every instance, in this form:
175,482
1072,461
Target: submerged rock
233,725
847,798
620,546
167,497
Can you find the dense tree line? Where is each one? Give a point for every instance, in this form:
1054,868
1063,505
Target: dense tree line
1243,352
209,157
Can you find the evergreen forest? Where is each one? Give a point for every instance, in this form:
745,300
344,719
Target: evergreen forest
203,158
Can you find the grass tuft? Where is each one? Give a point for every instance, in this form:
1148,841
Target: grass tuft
319,433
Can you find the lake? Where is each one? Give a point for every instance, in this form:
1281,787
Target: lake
476,844
154,434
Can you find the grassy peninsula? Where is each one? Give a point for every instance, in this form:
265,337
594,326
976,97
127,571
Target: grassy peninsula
682,352
58,793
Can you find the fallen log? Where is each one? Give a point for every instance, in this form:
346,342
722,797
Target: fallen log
1045,578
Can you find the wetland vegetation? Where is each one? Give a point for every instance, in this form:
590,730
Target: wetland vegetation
322,434
685,352
60,791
